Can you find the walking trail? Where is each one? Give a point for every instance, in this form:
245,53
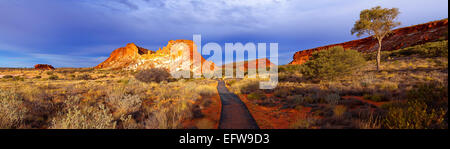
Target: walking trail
235,114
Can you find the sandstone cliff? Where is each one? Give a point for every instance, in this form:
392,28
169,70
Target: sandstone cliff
133,57
400,38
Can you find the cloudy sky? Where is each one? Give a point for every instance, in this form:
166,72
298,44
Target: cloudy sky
82,33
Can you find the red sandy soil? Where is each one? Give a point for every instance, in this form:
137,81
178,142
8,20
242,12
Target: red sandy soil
374,103
212,113
273,117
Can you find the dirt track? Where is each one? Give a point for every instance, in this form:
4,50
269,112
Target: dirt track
235,114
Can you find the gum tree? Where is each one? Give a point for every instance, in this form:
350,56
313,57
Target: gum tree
377,22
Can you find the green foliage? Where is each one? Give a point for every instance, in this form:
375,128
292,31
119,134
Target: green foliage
375,97
376,22
282,92
289,68
414,115
153,75
434,94
332,63
429,49
257,95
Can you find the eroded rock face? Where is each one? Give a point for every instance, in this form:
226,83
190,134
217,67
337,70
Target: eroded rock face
43,67
133,57
400,38
252,64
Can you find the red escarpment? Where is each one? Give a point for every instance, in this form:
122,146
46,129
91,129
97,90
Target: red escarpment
177,55
399,38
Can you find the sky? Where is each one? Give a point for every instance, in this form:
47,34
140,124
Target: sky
82,33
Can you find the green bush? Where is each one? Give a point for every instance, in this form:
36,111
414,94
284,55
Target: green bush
430,49
375,97
332,63
282,92
434,94
153,75
414,115
257,95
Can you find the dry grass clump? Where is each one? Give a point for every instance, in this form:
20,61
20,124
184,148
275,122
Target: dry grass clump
153,75
122,103
168,114
206,90
83,117
12,110
244,86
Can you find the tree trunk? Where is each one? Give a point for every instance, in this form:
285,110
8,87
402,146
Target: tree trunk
379,54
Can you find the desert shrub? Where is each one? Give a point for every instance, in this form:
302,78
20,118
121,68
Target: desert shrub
304,123
153,75
430,49
434,94
332,63
49,73
7,77
38,77
282,92
205,124
375,97
245,86
206,90
333,98
12,110
387,85
414,115
289,68
372,122
18,78
168,114
339,111
84,117
296,99
83,77
127,122
257,95
53,77
122,103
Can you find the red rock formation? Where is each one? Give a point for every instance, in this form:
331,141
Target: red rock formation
245,65
400,38
133,57
43,67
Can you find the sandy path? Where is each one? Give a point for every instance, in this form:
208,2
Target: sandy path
235,114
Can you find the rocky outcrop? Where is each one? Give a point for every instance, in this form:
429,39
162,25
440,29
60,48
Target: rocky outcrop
43,67
400,38
177,55
245,65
